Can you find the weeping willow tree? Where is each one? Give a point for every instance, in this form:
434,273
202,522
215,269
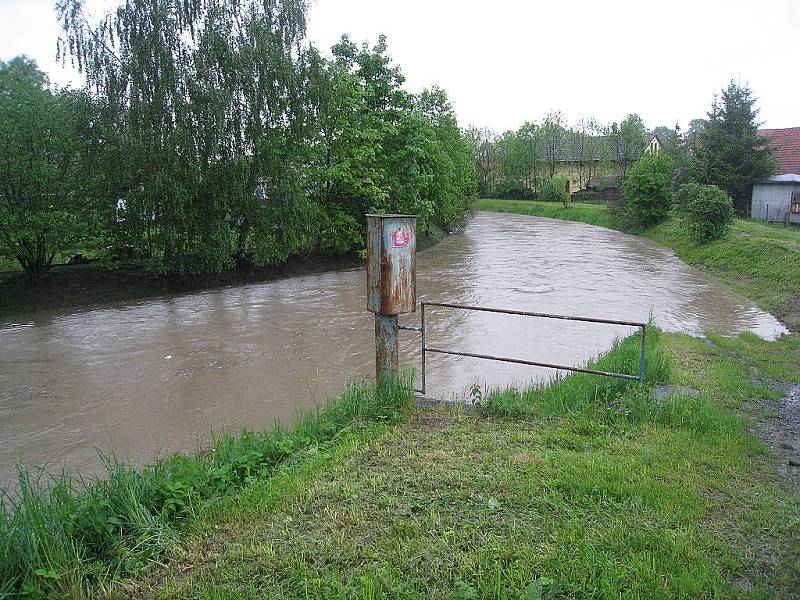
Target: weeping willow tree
202,104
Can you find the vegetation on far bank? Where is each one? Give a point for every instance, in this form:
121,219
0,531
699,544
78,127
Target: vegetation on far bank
723,150
758,260
211,134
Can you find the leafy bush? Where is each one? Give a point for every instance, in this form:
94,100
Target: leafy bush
706,211
647,191
555,190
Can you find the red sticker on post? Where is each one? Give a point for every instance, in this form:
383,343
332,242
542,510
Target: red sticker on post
400,238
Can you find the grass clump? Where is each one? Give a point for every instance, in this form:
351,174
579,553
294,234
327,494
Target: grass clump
581,390
61,536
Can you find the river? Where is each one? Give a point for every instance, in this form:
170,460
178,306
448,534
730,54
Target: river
160,375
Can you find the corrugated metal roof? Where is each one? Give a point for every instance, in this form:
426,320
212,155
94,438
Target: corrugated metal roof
787,148
788,178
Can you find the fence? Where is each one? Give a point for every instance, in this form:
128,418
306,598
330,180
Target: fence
426,349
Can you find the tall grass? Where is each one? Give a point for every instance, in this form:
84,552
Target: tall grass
61,536
582,391
593,399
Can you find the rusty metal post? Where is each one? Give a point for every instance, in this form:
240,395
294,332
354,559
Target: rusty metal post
386,357
391,282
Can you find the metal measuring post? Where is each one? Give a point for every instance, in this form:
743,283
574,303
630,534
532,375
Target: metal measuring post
391,281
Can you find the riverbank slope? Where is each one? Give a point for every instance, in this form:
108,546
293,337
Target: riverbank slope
758,260
575,490
93,285
547,494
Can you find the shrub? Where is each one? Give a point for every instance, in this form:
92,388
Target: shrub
706,211
647,191
555,190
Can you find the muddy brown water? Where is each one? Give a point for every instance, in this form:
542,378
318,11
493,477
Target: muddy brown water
160,375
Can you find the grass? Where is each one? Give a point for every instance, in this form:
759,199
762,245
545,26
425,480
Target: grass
569,490
63,537
593,214
758,260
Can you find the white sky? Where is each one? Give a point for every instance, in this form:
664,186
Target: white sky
503,62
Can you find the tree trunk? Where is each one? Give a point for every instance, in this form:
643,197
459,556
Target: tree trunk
35,268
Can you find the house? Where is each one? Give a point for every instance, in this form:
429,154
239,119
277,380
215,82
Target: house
652,144
777,198
583,169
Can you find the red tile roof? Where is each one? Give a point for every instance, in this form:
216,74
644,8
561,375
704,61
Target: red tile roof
787,148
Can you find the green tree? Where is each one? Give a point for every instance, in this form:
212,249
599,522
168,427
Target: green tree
585,141
530,138
206,102
626,142
378,148
553,136
730,154
454,176
511,169
647,191
44,209
706,211
484,148
520,158
554,189
346,174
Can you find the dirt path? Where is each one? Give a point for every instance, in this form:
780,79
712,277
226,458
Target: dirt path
779,426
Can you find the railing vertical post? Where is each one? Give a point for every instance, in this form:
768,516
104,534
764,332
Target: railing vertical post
422,315
642,357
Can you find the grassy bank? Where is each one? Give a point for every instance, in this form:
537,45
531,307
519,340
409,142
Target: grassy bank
62,537
758,260
579,489
593,214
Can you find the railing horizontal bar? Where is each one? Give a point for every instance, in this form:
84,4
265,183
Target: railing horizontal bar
409,328
536,314
533,363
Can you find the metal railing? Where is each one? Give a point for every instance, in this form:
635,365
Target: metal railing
425,348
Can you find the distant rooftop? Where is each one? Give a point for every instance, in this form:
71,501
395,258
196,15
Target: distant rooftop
787,148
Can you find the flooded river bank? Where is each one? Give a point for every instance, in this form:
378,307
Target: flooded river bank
160,375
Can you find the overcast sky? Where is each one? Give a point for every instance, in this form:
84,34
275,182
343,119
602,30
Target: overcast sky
503,62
